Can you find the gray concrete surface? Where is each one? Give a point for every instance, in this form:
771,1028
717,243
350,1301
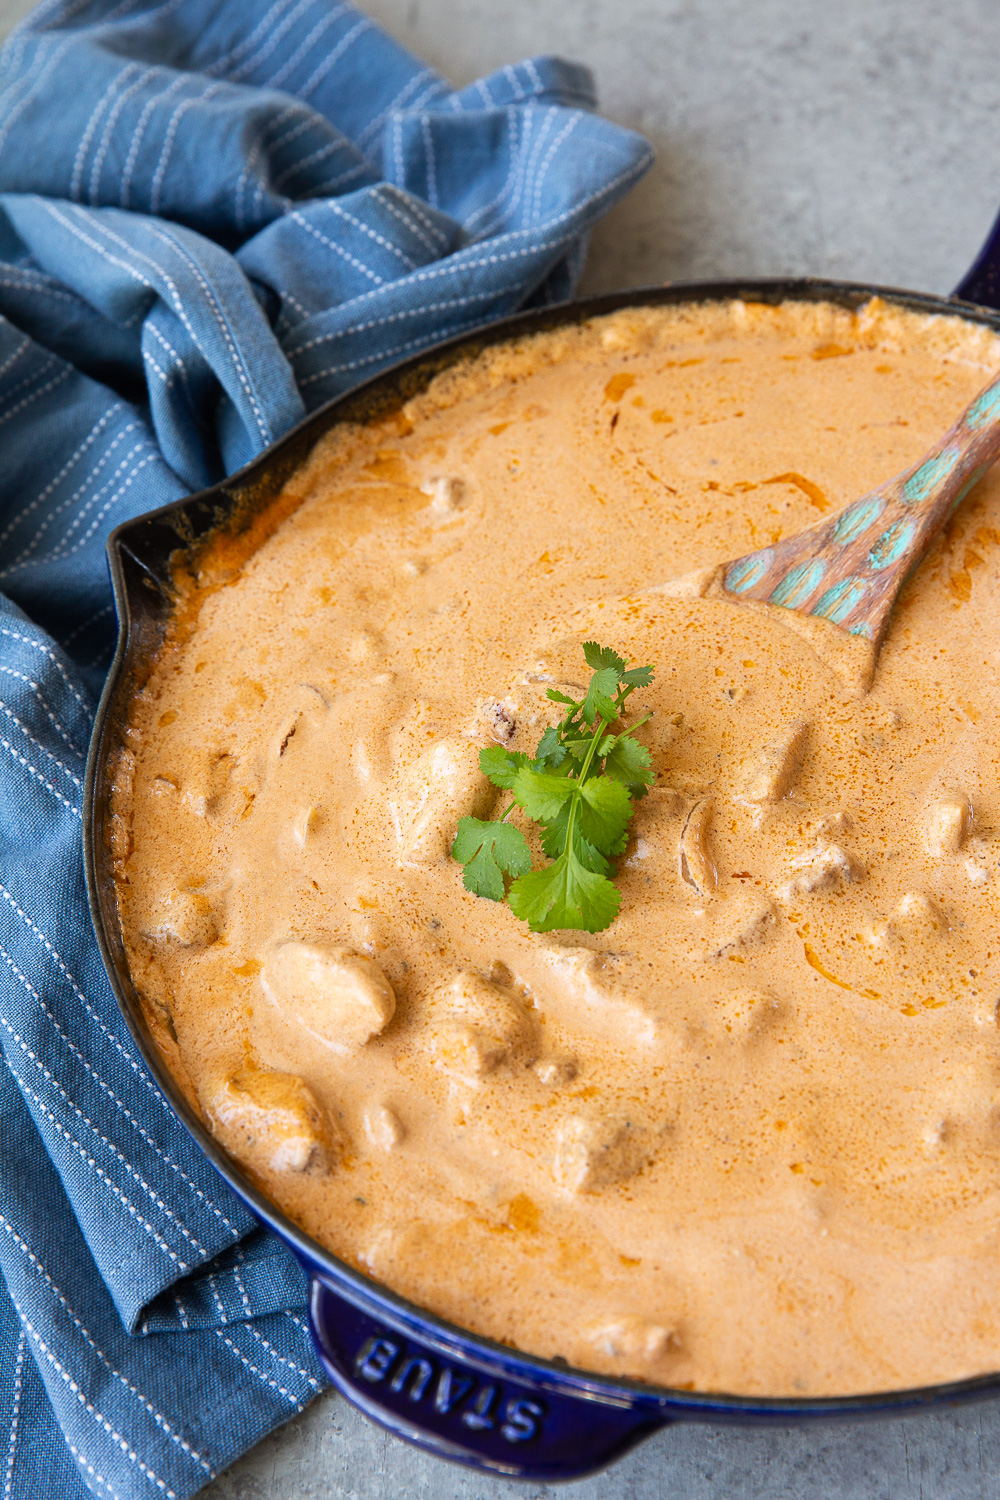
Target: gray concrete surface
853,138
332,1454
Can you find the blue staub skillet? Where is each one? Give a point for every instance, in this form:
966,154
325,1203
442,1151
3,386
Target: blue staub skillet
446,1390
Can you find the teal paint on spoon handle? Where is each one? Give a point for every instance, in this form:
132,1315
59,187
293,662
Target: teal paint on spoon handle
848,569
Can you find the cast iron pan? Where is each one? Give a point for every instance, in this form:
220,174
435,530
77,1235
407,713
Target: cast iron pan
446,1390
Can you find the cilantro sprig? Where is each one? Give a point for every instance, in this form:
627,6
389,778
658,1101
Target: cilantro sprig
580,786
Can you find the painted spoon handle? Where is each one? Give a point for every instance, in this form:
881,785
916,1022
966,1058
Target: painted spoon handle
850,568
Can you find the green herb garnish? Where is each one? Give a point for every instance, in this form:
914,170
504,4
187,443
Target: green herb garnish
579,787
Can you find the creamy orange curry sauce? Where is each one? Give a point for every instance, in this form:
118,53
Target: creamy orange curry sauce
746,1139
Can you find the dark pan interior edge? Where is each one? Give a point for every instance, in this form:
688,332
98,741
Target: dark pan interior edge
140,554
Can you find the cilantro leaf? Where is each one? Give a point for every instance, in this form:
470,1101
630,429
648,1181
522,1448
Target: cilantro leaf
554,843
577,749
558,697
591,858
600,695
598,657
487,850
550,750
564,894
629,762
541,793
554,831
501,765
637,677
605,813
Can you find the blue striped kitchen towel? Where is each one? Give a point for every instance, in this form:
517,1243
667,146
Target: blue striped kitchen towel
214,215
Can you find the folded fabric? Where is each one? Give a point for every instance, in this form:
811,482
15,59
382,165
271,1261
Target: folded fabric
214,215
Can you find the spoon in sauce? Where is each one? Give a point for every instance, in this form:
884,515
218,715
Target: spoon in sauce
849,569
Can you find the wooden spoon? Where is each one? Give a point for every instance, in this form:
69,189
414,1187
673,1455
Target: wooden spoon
850,568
